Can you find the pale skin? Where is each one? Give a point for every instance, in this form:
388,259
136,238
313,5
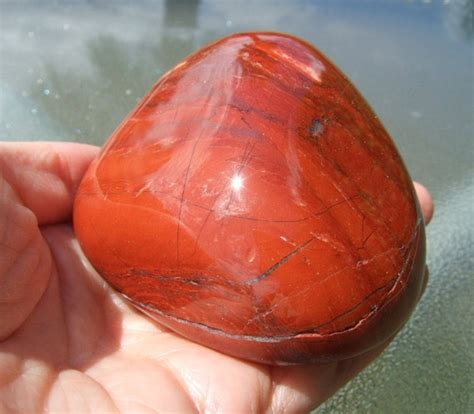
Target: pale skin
70,344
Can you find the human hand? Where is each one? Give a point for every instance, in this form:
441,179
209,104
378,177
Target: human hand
69,343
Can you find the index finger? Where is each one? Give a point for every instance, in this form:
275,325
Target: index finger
45,175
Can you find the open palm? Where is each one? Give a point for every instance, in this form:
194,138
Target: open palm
69,343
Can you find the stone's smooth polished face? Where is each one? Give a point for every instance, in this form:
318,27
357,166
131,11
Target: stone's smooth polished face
254,203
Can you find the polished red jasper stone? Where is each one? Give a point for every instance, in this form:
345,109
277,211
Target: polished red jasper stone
254,203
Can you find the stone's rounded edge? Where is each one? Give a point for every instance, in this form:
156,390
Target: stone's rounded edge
312,348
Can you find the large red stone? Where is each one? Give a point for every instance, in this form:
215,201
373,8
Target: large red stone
254,203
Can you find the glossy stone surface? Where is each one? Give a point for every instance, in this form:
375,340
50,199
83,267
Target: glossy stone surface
254,203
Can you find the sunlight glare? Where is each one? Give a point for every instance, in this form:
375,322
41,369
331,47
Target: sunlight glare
237,182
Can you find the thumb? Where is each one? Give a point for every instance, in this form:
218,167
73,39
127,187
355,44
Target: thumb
37,186
426,201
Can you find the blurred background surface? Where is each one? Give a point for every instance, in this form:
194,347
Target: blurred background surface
71,70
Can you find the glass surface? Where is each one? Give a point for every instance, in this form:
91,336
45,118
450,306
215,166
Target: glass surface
73,70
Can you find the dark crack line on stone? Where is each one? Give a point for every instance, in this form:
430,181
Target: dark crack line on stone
278,264
180,211
310,332
326,209
327,164
366,239
265,220
242,118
